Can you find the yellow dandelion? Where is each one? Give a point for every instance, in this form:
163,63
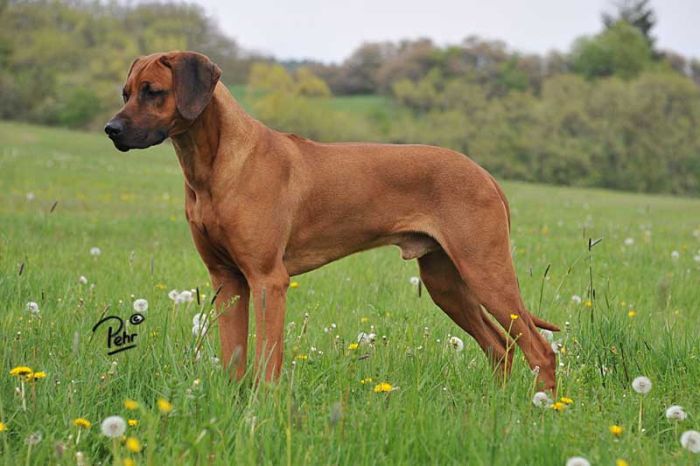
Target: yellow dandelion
36,375
82,423
514,317
21,371
130,404
631,313
366,380
353,346
302,357
566,400
558,406
160,286
588,303
128,462
133,422
3,427
621,462
164,405
294,285
545,230
364,320
133,445
616,430
383,387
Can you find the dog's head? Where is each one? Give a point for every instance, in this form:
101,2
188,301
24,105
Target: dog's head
164,93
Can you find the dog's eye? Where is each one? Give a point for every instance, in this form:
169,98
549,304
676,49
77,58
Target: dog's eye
125,96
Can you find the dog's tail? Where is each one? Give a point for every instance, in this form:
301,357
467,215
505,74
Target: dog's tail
543,323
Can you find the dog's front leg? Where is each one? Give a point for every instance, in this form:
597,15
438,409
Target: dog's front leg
232,303
269,298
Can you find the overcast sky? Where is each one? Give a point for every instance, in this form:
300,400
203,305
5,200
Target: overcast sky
329,30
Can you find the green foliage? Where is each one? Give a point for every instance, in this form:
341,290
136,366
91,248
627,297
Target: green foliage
621,50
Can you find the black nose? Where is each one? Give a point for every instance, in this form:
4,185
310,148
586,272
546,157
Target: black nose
114,128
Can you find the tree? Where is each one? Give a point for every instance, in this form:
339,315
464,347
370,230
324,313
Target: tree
637,13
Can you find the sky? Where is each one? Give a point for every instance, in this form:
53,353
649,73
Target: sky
329,30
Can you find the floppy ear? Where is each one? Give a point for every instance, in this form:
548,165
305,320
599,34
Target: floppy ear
194,80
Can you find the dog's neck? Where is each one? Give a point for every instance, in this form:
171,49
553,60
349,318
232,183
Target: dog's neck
199,147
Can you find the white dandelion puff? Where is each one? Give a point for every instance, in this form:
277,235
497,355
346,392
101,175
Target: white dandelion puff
547,334
641,385
676,413
186,296
690,440
456,343
577,461
113,426
95,251
576,299
675,255
173,294
629,241
541,400
83,280
34,438
557,346
140,305
696,258
414,281
366,338
31,196
32,308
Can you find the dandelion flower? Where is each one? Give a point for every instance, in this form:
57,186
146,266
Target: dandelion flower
164,406
140,305
34,438
199,330
558,406
621,462
366,380
173,294
133,445
547,334
577,461
294,284
576,299
541,400
588,303
186,296
128,462
690,440
629,241
199,319
366,338
353,346
631,313
566,400
83,280
616,430
95,251
383,387
82,423
21,371
414,281
131,405
514,317
132,422
641,385
456,343
3,426
676,413
36,375
675,255
32,308
113,426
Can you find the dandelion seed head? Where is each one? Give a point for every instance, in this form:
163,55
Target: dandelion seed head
641,385
456,343
186,296
576,299
541,400
140,305
32,308
676,413
690,440
113,426
83,280
414,281
95,251
577,461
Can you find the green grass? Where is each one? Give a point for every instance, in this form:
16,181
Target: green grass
447,410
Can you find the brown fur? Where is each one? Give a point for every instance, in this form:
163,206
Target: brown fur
263,206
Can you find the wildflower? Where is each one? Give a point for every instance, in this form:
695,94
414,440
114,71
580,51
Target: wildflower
631,313
616,430
364,320
164,405
131,405
621,462
547,334
415,281
641,385
31,196
576,299
132,422
588,303
301,357
186,296
366,380
3,426
82,423
113,426
675,255
95,251
676,413
34,438
566,400
558,406
32,308
383,387
557,346
133,445
173,294
514,316
128,462
629,241
36,375
294,284
577,461
456,343
21,371
140,305
83,280
690,440
366,338
353,346
541,400
200,329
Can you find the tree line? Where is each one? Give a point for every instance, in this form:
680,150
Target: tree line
613,111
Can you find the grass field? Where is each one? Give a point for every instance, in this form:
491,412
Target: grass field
64,193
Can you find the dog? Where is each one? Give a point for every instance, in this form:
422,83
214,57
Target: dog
264,205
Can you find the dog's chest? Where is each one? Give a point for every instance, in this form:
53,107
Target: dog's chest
203,219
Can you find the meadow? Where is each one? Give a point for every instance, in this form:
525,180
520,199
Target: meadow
64,193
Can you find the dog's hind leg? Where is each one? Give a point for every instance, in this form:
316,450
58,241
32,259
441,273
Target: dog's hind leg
450,293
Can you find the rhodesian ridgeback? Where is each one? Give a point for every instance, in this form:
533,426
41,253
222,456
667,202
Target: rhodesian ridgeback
264,205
